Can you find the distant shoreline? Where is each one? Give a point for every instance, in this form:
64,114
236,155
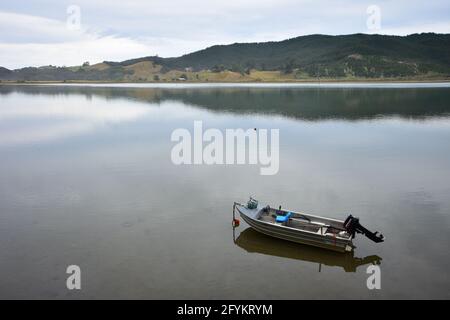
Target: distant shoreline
305,81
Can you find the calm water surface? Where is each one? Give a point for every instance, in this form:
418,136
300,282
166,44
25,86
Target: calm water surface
86,178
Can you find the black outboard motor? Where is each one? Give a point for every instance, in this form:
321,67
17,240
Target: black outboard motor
352,226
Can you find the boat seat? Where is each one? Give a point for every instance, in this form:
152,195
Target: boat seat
284,218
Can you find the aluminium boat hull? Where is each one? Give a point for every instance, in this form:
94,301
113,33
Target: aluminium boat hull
250,216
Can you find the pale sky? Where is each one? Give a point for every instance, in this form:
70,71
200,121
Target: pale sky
36,33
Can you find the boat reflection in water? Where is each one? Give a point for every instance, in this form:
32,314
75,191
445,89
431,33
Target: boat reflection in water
253,241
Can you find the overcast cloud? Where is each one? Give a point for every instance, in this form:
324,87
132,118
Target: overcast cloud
35,33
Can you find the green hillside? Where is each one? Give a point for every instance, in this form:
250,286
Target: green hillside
357,56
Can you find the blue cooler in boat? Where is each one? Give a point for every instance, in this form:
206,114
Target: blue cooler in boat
284,218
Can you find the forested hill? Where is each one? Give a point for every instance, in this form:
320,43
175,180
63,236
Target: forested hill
314,56
337,55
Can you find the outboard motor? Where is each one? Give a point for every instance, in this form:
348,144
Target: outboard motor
352,225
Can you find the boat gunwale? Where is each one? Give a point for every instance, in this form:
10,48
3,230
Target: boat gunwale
315,240
295,229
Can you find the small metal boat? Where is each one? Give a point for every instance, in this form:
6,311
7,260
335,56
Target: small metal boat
303,228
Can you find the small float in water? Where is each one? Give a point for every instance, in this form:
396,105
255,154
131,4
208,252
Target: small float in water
303,228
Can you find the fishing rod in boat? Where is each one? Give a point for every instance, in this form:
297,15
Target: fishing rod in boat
353,226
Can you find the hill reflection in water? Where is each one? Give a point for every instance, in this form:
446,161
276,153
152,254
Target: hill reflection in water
306,103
